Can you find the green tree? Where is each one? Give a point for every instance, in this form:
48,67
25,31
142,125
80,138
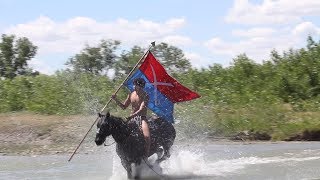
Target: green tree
172,58
95,60
127,61
242,74
14,55
311,57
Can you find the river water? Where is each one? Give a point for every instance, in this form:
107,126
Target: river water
194,160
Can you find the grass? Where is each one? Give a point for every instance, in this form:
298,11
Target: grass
280,121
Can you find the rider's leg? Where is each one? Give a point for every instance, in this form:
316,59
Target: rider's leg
146,134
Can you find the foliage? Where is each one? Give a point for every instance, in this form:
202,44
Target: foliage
172,58
274,96
14,55
95,60
63,93
127,61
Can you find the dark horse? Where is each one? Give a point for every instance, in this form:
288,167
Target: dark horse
130,141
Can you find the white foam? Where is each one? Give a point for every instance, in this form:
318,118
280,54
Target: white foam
184,163
118,171
187,162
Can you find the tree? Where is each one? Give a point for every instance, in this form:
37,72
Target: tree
127,61
95,60
14,55
244,66
172,58
275,57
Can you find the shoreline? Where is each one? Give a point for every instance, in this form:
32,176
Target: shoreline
27,134
96,149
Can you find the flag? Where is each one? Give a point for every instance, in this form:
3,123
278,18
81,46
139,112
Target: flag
163,90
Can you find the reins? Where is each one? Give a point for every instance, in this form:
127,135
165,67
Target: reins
153,169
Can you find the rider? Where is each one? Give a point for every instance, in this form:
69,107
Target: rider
139,100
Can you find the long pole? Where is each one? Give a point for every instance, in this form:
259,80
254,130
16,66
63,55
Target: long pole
130,73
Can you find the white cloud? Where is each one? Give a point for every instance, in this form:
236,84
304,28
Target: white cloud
197,60
176,23
41,66
254,32
272,11
177,40
259,44
305,29
218,46
70,36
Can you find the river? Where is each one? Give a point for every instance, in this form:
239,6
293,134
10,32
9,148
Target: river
194,160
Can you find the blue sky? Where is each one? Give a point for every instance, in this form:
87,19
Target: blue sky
207,31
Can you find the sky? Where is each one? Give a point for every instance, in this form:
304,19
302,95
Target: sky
208,31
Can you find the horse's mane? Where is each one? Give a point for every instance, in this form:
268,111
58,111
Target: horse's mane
117,122
116,119
120,121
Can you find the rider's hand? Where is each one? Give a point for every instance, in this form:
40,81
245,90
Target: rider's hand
114,97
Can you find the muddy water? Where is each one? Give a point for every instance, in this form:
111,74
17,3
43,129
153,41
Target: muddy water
295,160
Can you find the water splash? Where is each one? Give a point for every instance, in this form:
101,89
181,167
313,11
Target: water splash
182,163
118,172
195,163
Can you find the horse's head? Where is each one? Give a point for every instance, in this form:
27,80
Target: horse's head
103,128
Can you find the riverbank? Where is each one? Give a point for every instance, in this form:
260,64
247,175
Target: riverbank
34,134
26,133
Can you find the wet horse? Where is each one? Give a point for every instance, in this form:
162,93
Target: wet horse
130,140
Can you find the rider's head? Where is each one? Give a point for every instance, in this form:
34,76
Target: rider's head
139,82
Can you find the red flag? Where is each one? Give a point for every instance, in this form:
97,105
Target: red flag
167,85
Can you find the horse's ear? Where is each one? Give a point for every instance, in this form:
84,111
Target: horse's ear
108,114
99,114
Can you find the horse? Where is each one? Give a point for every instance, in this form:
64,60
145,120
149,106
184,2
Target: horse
130,142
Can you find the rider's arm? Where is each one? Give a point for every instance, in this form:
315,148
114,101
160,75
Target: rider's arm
123,105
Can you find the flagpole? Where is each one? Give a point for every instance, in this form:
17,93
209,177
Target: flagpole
130,73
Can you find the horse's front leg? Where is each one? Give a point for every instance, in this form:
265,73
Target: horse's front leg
166,155
159,153
133,169
128,168
136,170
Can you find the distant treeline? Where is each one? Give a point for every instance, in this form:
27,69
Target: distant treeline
291,77
246,95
